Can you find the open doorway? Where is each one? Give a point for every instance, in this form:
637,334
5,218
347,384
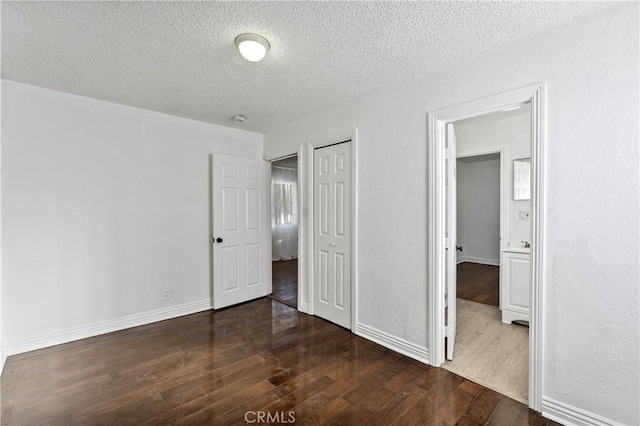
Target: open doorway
492,226
284,230
442,219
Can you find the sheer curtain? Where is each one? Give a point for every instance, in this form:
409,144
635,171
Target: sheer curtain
284,214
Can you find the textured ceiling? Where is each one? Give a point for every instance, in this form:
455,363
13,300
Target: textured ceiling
179,57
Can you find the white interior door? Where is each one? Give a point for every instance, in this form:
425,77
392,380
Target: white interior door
332,233
451,239
241,240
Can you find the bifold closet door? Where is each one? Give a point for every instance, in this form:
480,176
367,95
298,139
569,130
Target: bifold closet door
332,233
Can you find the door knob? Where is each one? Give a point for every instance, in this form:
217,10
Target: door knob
218,240
333,244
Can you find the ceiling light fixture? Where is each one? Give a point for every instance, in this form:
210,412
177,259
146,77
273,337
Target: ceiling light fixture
252,47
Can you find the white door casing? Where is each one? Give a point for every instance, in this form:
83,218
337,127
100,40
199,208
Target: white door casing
301,207
451,238
332,233
241,232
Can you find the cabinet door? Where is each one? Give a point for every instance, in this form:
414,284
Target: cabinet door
514,286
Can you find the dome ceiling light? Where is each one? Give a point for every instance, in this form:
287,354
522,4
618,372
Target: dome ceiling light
252,47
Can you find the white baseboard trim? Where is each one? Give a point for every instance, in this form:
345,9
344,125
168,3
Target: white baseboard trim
103,327
572,416
481,260
394,343
304,308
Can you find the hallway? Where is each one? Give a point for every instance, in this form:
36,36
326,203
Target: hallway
285,282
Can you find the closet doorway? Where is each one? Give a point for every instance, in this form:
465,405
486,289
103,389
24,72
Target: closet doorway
284,230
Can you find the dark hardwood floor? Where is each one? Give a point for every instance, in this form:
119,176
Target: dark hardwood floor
285,282
215,367
479,283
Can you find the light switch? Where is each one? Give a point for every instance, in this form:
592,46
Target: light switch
523,215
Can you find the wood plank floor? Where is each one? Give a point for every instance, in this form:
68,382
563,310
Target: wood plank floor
214,367
479,283
285,282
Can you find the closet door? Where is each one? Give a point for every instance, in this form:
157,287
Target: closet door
332,233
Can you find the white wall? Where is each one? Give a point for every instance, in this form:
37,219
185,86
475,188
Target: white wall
515,132
478,210
591,195
103,208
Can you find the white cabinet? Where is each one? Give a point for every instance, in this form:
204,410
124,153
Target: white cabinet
515,265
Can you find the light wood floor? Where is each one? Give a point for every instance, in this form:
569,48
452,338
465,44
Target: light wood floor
491,353
211,368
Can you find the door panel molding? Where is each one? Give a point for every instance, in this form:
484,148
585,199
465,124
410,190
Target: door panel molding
436,122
